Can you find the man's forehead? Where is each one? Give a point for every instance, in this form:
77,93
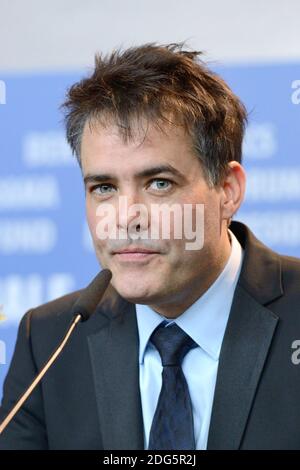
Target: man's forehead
104,151
140,134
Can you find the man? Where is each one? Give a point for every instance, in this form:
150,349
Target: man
152,126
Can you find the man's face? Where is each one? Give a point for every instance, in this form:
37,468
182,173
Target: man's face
172,276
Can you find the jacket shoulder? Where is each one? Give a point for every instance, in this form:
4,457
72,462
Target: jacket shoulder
59,307
291,274
49,318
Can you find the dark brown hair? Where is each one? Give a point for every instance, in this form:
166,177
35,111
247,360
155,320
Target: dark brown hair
161,84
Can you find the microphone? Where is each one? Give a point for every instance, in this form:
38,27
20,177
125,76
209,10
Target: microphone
82,309
87,302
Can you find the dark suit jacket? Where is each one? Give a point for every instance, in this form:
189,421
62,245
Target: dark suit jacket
90,399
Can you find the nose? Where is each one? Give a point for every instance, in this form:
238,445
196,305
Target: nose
132,214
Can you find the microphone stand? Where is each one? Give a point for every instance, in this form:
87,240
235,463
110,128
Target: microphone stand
82,310
41,374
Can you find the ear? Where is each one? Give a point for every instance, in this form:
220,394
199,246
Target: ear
233,190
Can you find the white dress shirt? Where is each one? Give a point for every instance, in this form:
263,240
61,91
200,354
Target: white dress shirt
205,321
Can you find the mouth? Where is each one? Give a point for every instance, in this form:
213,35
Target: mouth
135,255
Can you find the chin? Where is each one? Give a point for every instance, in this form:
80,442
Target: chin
133,292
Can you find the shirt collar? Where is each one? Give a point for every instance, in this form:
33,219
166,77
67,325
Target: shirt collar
206,319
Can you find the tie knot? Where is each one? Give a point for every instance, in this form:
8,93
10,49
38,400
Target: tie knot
172,344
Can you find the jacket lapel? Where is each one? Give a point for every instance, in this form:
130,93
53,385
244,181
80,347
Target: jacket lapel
244,350
114,355
246,342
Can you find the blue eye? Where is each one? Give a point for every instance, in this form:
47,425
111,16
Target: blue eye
103,188
163,184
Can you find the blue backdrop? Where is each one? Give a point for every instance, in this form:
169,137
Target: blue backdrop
45,247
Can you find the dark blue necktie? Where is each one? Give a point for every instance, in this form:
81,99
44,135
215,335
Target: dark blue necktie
172,426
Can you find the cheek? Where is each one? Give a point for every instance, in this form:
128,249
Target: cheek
188,254
91,216
93,221
177,256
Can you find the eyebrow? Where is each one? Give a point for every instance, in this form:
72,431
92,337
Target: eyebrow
89,178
